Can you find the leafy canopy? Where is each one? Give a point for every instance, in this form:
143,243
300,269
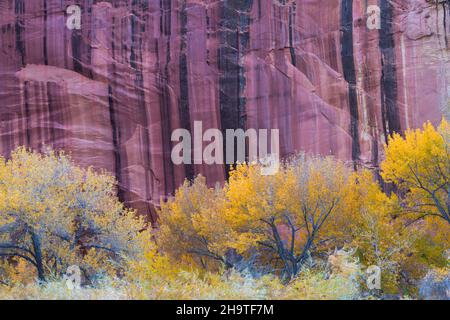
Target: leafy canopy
54,214
419,164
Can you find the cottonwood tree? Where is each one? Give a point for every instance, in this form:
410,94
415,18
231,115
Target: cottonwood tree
419,164
283,216
191,224
274,221
54,214
368,224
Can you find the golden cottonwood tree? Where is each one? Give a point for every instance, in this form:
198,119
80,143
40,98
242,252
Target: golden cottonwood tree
368,224
54,214
282,217
419,164
191,224
278,219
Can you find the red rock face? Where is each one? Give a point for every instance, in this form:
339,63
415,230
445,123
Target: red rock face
112,93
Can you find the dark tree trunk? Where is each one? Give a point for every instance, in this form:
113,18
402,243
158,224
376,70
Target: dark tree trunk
38,255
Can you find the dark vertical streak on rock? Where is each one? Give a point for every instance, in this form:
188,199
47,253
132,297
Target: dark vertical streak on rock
234,38
27,114
116,142
81,43
114,120
448,5
375,155
444,7
165,18
389,108
88,46
184,86
19,10
165,129
165,23
76,51
45,34
348,65
66,60
291,33
259,9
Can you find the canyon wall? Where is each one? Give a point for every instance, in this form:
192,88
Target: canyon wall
112,92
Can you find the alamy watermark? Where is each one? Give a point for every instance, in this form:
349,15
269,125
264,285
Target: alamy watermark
231,149
373,16
73,278
74,17
373,280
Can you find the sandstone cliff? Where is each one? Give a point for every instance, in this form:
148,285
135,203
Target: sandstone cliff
112,92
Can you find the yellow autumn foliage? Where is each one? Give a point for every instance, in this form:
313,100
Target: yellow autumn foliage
309,231
419,164
54,214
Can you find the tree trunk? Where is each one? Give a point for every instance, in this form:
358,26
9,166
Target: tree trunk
38,255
